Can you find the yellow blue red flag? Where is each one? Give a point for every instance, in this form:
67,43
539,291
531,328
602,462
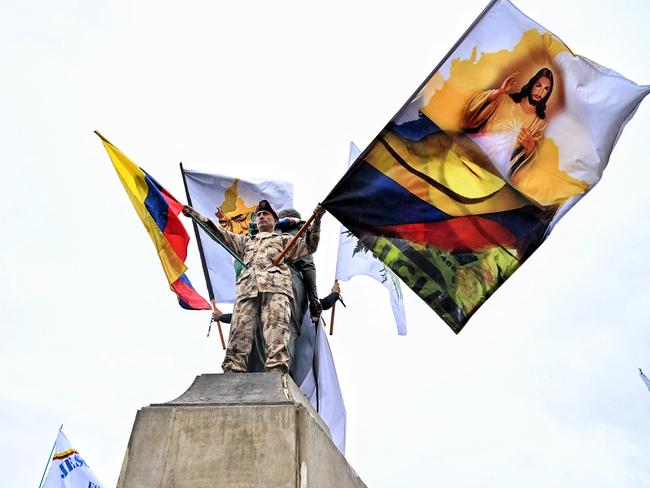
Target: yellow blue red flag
158,210
468,179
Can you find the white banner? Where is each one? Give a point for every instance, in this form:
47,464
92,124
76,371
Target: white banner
235,200
353,260
321,385
68,469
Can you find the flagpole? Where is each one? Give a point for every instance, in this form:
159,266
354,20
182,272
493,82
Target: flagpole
49,458
365,152
332,319
223,344
214,309
204,263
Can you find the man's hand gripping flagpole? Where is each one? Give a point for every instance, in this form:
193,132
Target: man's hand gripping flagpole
197,218
318,213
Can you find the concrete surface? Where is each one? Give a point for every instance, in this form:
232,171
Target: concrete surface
234,430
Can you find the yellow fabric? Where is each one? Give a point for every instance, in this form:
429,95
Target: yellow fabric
501,199
544,181
64,453
133,180
476,281
449,167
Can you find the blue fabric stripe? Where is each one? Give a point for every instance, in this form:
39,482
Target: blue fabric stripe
156,203
368,198
521,223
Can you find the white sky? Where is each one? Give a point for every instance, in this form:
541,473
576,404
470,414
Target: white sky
540,389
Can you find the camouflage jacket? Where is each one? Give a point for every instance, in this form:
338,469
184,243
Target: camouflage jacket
259,251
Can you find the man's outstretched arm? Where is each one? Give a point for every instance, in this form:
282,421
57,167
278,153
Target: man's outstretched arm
234,242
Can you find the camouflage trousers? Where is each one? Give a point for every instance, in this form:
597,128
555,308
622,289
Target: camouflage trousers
272,309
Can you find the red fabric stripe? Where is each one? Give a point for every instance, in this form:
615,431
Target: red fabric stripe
472,233
175,230
190,296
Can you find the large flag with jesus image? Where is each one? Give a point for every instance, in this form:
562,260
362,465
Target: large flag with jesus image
470,176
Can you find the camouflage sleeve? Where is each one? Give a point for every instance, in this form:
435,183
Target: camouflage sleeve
305,245
235,242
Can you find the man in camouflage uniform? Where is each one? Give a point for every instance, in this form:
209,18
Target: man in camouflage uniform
263,290
303,281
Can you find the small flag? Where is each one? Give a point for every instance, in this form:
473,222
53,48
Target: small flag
233,200
158,210
469,178
68,469
355,259
645,379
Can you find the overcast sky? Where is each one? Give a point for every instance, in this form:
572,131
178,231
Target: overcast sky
540,389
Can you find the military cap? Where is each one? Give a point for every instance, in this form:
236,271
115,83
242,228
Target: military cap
289,212
265,205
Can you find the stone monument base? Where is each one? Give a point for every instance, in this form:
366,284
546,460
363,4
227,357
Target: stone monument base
234,430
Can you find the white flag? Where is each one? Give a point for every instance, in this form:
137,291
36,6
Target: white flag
321,384
68,469
353,259
236,200
645,379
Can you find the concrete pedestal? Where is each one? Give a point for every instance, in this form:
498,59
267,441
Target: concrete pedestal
234,430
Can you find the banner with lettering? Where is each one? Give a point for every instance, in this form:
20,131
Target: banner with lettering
68,469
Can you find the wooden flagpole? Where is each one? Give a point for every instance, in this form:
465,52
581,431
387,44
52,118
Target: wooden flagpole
214,308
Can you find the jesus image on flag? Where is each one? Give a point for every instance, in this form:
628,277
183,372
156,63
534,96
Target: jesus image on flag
471,175
523,113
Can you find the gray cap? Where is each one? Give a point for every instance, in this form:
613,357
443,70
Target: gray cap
289,212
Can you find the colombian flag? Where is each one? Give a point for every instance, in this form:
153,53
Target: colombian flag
158,210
